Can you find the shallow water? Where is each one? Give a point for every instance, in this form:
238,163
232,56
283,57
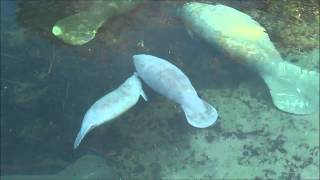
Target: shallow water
47,86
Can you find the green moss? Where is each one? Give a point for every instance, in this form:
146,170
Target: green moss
292,25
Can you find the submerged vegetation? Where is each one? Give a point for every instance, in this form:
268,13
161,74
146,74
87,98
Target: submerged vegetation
294,25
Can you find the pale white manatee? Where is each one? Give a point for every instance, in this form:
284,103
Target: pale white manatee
293,89
168,80
111,106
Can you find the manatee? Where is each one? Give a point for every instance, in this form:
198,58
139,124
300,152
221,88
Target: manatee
111,106
292,88
169,81
82,27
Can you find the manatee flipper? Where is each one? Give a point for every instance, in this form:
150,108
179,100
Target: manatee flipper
293,89
144,96
142,93
203,118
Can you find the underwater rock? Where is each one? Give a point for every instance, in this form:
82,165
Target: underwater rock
111,106
82,27
86,167
166,79
293,89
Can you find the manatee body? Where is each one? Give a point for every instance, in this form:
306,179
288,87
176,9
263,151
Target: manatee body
166,79
82,27
111,106
293,89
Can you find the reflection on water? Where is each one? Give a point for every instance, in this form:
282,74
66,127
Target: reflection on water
47,85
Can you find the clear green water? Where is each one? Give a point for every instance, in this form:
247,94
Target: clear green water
47,86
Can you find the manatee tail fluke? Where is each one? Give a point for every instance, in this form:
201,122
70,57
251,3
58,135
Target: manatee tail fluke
83,131
203,119
294,90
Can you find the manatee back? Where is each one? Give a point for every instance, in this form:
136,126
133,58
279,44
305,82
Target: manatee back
231,31
163,77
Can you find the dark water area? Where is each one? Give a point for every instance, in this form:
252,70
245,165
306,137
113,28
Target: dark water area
47,86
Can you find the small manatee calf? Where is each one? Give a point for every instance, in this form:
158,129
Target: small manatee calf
82,27
293,89
166,79
111,106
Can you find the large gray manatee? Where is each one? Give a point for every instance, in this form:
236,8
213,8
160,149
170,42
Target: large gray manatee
293,89
166,79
